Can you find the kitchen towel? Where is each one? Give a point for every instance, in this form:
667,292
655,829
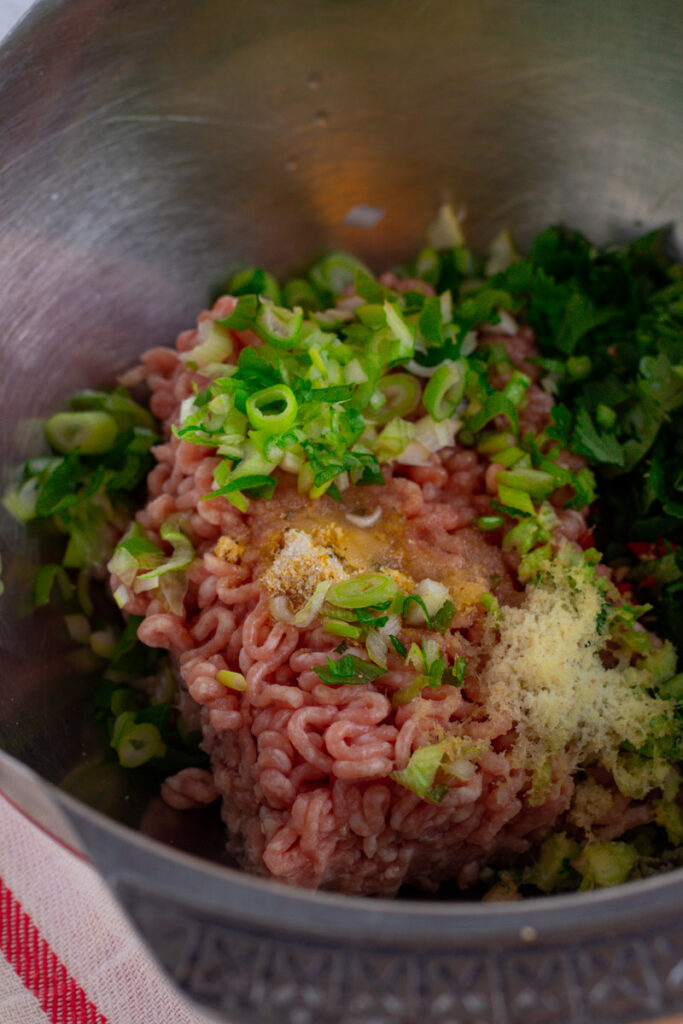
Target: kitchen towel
67,953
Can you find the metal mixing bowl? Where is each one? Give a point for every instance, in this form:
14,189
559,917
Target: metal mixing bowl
148,145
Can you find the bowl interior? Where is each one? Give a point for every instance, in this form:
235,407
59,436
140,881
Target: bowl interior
148,149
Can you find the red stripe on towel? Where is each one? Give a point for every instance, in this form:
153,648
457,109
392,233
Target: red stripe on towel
40,969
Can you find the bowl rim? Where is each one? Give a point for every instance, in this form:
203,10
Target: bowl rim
126,857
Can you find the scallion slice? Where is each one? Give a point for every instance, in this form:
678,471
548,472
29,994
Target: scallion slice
273,409
278,326
364,591
445,390
135,744
401,393
90,433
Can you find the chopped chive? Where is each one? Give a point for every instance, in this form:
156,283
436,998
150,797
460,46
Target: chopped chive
488,523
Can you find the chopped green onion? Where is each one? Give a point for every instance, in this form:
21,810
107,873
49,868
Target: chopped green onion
367,288
215,348
401,331
254,281
459,669
232,680
668,816
533,562
523,536
89,433
604,864
428,266
578,367
409,692
443,617
489,603
445,232
21,502
337,627
419,774
401,392
510,457
364,591
445,390
349,671
533,481
298,292
182,553
516,387
417,600
552,871
502,253
243,315
278,395
398,646
672,689
393,440
135,744
605,417
78,627
46,578
335,272
278,326
103,643
660,662
488,523
514,498
455,755
496,404
491,444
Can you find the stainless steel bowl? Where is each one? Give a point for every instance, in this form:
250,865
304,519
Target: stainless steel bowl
147,146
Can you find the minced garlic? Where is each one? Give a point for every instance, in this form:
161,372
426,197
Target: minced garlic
299,567
228,550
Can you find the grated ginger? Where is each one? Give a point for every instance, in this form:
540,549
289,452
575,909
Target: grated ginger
545,671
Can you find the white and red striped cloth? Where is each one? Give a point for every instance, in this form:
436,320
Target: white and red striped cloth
67,954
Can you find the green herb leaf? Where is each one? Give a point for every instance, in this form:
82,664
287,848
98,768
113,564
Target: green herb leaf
349,671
